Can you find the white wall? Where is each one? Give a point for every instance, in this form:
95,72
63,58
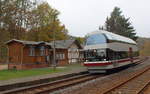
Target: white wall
73,53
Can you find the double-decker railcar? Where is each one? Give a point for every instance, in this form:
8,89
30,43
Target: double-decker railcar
105,50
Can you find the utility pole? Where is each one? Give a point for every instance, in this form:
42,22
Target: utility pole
54,14
54,50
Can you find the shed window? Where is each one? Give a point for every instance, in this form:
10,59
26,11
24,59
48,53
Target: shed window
32,51
60,56
42,51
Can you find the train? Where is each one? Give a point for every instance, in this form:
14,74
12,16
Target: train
104,51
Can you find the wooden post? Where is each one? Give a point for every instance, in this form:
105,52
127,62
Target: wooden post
22,57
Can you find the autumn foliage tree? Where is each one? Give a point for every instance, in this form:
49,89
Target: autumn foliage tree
45,21
29,20
22,17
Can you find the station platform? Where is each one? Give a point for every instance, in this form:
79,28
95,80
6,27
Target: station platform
26,81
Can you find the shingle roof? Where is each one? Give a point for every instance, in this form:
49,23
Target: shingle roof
25,42
62,44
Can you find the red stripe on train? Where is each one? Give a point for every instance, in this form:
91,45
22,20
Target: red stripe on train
122,61
108,63
98,64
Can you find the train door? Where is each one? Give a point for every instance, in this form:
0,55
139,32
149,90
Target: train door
131,54
112,55
115,59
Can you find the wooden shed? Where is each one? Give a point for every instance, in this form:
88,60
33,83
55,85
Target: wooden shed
28,54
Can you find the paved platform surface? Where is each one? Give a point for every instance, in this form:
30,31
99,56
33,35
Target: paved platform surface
33,78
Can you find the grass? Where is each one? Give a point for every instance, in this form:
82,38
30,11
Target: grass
11,74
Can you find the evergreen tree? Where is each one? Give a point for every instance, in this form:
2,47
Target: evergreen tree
117,23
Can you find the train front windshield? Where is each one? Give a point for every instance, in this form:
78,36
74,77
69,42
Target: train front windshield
95,55
92,55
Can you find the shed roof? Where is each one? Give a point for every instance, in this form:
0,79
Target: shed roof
61,44
64,44
25,42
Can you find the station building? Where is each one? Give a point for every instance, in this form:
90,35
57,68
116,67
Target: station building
31,54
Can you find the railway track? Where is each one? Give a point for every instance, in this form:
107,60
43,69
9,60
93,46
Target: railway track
61,84
132,85
52,86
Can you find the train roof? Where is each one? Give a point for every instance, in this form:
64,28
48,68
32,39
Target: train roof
112,36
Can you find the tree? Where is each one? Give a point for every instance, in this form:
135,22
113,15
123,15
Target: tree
13,21
117,23
45,21
80,39
14,14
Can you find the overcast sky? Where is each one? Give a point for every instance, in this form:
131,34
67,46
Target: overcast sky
84,16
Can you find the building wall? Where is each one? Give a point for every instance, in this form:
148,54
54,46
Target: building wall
35,61
15,52
20,58
26,57
73,53
64,61
3,66
35,58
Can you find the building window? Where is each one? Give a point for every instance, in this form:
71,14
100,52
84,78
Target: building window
42,51
60,56
32,51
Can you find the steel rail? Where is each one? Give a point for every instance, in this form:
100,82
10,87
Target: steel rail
128,80
37,89
142,89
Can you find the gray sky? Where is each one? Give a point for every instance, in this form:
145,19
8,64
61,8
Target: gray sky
84,16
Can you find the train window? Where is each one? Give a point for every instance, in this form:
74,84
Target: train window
101,53
135,54
112,55
106,54
123,55
96,39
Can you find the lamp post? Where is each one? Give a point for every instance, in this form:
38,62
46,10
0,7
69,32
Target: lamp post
54,50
